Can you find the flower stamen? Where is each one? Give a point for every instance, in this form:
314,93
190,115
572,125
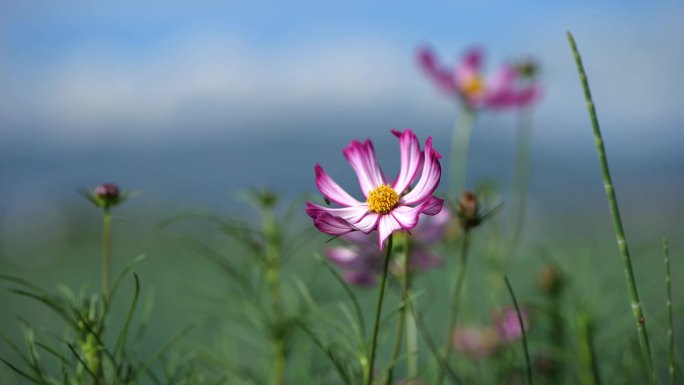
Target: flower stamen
382,199
474,86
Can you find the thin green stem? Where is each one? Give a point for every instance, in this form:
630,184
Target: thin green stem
378,312
590,373
106,254
522,328
455,303
403,314
422,328
637,311
273,281
670,328
458,159
521,179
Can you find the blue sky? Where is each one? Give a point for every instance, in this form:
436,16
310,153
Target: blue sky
170,79
75,69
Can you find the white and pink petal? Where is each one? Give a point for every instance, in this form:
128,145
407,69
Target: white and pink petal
411,159
331,190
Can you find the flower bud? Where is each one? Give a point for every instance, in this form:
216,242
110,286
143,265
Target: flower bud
527,69
107,191
550,280
106,195
469,210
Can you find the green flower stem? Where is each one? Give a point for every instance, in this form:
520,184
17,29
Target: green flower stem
378,312
403,314
521,179
591,374
670,334
522,328
639,319
455,302
458,159
106,254
273,281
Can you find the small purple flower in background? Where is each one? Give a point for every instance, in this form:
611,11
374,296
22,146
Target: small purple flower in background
468,83
387,207
508,325
362,261
476,342
479,342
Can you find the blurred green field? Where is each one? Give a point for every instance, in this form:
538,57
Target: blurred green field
188,289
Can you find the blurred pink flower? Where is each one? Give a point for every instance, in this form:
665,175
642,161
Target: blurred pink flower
508,326
476,342
361,260
468,83
387,207
479,342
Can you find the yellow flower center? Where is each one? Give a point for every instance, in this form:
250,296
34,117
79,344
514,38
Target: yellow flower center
382,199
474,86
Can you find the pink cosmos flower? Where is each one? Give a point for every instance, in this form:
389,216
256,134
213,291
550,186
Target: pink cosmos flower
478,342
508,325
467,82
361,260
387,207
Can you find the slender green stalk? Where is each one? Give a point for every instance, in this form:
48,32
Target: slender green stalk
521,179
455,303
422,328
639,319
458,159
670,333
522,328
378,312
106,254
273,281
403,314
590,374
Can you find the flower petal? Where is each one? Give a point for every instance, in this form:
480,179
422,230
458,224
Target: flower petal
331,190
501,92
363,278
332,225
429,178
344,256
528,96
407,216
441,77
470,65
386,226
433,206
411,159
351,214
432,229
362,159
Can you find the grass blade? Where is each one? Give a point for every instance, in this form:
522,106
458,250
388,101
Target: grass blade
615,213
522,328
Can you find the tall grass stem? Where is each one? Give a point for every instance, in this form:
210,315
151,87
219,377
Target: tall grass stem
455,304
273,280
106,254
670,331
458,159
637,311
404,315
522,328
521,178
378,312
